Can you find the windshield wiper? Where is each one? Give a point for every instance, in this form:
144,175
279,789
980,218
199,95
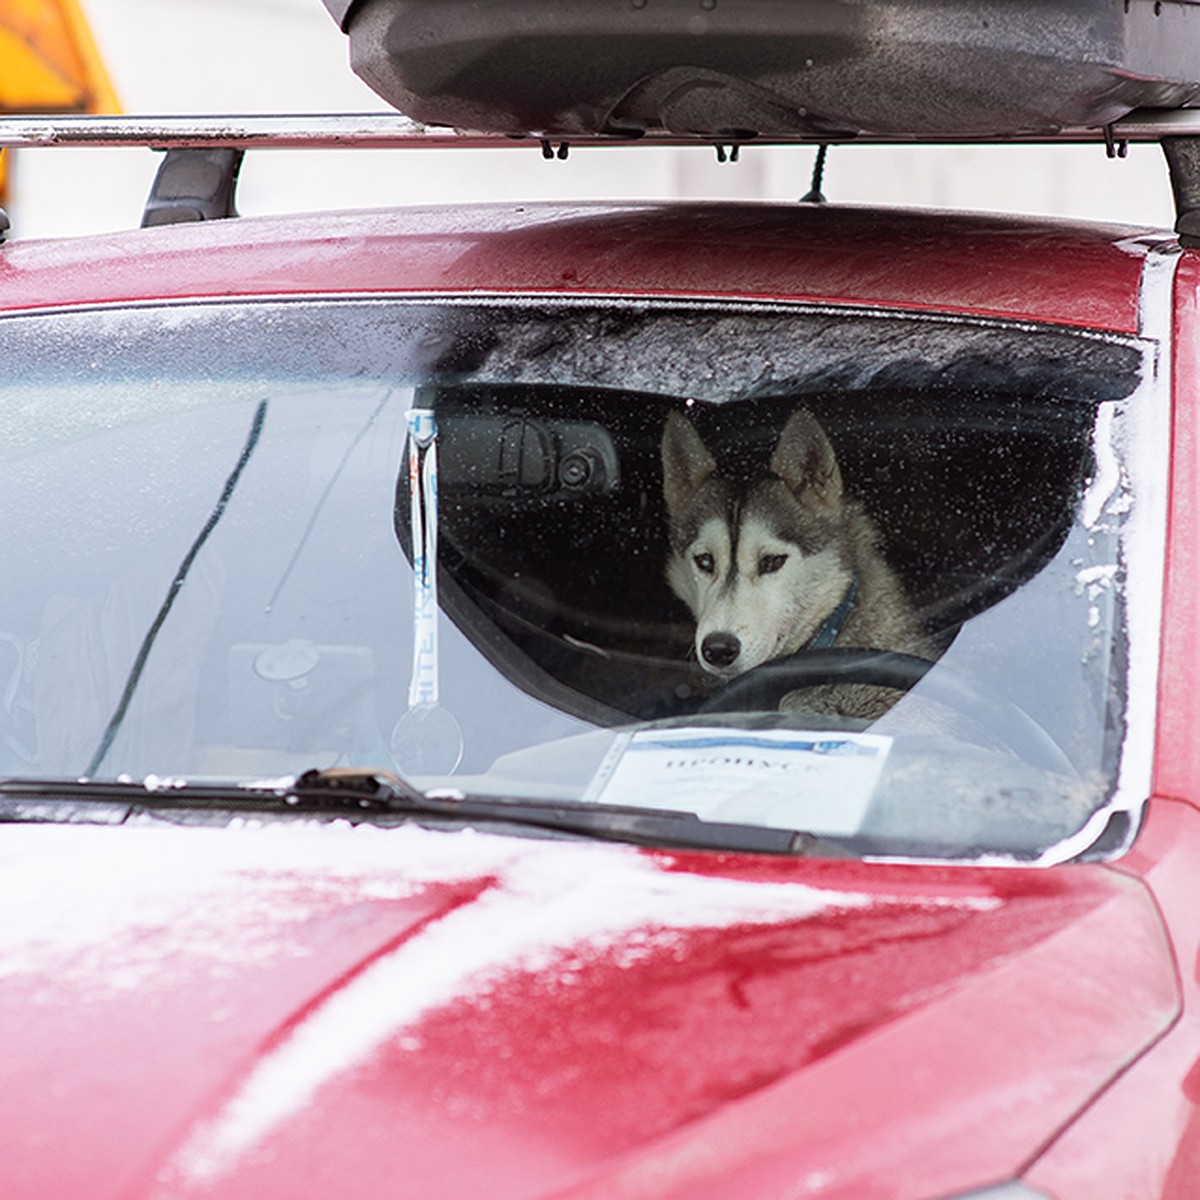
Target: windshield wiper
367,792
625,823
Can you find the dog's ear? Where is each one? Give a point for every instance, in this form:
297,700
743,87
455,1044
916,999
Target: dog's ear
686,462
804,459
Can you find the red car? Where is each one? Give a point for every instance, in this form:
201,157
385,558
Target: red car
401,796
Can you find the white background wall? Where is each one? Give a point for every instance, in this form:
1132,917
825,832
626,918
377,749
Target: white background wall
288,56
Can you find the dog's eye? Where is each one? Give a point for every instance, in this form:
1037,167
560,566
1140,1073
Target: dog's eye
704,562
770,563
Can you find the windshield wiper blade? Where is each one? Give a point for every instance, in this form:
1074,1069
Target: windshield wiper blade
381,792
624,823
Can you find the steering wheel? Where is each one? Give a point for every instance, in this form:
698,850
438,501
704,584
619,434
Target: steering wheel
762,688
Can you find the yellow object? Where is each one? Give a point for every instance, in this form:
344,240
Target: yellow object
49,63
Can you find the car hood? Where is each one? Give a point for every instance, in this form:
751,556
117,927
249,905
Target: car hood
311,1009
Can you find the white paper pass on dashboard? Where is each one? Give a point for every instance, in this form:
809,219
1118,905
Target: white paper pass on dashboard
786,778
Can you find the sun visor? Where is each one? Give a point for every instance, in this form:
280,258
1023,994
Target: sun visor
737,69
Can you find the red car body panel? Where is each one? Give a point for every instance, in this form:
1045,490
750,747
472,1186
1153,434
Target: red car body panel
978,265
1177,761
1142,1136
833,1035
242,1023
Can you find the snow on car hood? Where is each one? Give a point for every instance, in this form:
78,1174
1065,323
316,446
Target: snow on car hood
293,1010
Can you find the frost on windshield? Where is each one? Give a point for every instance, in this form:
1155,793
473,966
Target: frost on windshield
879,562
712,354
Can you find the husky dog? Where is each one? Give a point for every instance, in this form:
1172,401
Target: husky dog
780,563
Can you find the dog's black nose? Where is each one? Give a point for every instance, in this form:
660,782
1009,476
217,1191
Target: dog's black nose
720,649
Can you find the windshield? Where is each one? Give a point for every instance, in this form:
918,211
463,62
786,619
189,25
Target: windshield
839,571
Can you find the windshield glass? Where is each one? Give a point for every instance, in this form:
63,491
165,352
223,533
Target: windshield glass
839,571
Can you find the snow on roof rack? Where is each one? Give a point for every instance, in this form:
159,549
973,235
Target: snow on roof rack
393,131
230,131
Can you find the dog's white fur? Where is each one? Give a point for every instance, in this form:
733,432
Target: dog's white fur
763,563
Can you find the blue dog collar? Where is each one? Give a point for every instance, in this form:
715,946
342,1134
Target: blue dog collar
824,638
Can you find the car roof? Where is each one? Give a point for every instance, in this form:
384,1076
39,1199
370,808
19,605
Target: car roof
1027,269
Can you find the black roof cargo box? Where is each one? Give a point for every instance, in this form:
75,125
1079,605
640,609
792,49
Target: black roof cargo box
733,69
